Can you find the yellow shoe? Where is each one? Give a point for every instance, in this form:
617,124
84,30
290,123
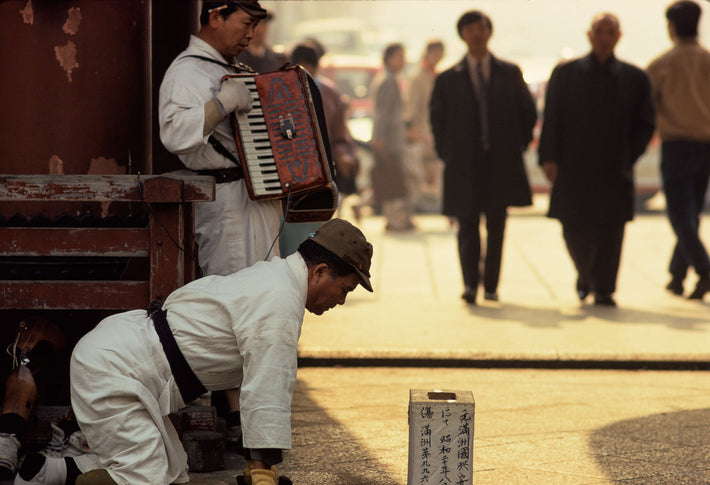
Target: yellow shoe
264,477
245,479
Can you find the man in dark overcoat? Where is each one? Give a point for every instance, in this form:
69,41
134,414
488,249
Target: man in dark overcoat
598,120
482,118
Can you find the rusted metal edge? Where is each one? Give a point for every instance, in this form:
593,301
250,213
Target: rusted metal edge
101,188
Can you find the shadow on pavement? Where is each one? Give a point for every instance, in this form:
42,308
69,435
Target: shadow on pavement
671,319
538,317
666,448
324,451
541,317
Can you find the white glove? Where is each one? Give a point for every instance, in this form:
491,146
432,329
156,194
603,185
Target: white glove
234,96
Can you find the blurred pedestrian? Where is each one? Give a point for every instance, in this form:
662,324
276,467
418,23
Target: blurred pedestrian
482,117
342,145
680,79
423,165
389,181
259,54
597,121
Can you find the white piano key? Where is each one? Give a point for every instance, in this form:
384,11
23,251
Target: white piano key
268,179
263,189
257,142
258,148
263,177
258,153
260,172
262,186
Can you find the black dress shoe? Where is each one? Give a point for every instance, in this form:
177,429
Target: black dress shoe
604,300
469,295
675,286
582,290
702,287
490,295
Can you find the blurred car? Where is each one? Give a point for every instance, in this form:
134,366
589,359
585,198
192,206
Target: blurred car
352,75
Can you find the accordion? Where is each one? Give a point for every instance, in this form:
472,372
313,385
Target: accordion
283,144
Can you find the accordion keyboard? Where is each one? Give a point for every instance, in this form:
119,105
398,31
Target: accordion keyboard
260,161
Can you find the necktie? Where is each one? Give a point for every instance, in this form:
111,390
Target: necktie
482,104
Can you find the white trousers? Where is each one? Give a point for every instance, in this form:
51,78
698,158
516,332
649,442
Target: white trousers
122,391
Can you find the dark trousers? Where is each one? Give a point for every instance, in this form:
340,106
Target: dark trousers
685,167
596,252
469,241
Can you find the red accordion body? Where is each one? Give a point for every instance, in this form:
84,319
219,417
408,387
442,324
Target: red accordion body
279,141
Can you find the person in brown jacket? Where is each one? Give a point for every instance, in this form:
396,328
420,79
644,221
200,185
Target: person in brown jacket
680,80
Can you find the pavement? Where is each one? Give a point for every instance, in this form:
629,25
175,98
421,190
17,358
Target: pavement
566,392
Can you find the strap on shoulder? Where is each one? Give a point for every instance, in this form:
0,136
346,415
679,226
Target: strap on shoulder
239,67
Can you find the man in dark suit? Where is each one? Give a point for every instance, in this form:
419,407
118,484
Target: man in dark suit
598,120
482,117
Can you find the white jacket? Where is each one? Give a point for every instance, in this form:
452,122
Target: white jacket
232,232
236,330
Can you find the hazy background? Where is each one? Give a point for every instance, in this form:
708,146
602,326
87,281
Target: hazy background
536,34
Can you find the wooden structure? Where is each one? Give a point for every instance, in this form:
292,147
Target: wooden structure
167,241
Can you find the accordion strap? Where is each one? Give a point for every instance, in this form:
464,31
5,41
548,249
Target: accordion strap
222,150
238,67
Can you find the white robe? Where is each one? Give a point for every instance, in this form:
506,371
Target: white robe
232,232
240,329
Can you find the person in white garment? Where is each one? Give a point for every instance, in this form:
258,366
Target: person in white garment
232,232
216,332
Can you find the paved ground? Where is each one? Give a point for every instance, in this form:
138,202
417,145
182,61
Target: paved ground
416,311
564,411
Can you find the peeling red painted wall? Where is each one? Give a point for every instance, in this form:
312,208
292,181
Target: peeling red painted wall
27,13
73,83
71,26
80,81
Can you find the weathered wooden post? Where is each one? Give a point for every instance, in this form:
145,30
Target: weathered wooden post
440,437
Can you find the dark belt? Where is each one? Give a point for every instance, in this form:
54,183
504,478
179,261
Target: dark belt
223,175
187,382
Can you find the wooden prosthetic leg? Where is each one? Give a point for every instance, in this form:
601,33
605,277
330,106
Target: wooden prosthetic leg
20,393
36,342
20,397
